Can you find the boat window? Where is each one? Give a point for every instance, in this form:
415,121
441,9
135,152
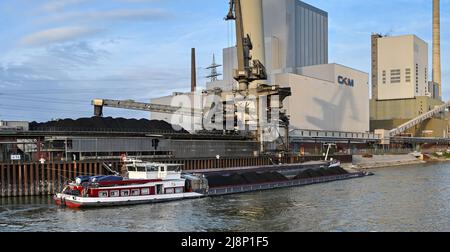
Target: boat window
131,168
179,190
169,191
103,194
140,168
73,192
174,168
135,192
159,189
163,168
114,193
152,168
145,191
125,193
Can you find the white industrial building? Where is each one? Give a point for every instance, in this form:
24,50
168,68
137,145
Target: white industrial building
325,97
298,31
402,70
328,97
21,125
296,35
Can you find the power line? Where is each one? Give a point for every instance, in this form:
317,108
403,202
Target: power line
61,91
41,110
43,100
39,97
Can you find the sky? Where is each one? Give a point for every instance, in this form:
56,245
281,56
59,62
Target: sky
58,55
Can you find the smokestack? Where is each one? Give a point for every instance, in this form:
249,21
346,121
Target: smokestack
193,72
437,46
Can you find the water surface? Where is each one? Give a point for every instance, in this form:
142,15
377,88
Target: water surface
413,198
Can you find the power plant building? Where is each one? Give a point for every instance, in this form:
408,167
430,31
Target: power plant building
401,89
299,31
402,68
329,97
296,35
325,97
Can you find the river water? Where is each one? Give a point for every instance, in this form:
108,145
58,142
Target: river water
412,198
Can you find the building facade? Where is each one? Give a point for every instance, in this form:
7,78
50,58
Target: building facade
21,125
328,97
400,66
401,89
296,35
325,97
300,31
389,114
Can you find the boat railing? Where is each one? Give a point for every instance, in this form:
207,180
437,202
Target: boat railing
280,184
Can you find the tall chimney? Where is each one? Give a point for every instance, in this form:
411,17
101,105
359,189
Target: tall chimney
193,72
437,46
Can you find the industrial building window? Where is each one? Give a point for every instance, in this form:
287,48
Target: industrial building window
417,78
384,76
395,76
408,75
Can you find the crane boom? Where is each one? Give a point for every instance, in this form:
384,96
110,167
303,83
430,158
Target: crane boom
132,105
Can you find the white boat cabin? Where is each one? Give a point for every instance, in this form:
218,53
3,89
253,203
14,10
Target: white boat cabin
148,170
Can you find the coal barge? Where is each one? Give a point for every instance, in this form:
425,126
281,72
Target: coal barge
148,182
250,179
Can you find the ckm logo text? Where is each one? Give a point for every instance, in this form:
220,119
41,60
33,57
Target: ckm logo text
346,81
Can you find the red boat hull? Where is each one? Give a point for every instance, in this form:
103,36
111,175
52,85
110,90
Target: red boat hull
66,203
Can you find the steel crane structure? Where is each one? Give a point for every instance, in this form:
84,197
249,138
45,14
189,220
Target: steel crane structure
150,107
251,76
251,73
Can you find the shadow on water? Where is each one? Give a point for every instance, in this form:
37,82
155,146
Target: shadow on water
42,200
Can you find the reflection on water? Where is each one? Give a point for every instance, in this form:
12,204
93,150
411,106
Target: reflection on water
415,198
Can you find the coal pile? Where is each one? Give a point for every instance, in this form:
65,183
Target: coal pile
107,124
245,179
268,177
322,172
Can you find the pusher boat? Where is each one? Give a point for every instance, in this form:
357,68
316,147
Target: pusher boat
146,183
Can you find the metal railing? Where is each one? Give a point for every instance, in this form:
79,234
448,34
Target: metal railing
283,184
301,133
